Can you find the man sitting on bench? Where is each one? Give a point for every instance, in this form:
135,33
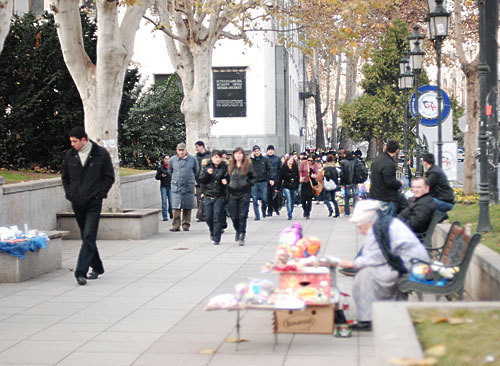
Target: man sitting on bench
418,214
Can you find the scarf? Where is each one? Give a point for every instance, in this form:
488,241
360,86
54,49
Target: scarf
381,231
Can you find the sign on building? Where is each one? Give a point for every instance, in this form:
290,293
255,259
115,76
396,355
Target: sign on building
229,92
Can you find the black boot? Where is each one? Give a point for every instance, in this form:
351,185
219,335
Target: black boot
241,242
237,237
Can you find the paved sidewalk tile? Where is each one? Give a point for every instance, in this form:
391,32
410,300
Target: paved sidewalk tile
147,309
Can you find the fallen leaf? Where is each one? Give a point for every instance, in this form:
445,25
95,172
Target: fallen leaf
412,362
207,351
418,320
181,249
438,319
236,340
455,321
436,351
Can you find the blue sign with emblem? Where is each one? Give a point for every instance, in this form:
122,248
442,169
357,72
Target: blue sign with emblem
428,107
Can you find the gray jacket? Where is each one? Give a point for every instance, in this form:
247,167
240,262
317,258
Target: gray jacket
183,172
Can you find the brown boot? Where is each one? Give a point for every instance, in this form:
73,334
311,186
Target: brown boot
176,223
186,219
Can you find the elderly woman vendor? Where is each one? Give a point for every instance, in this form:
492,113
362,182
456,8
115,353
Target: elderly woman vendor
388,247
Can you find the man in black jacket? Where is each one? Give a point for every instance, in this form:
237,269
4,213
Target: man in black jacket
201,154
438,182
273,203
418,214
259,189
213,179
384,185
349,183
87,177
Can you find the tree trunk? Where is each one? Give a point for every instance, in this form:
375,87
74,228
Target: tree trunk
320,131
471,136
351,75
336,102
101,85
196,78
6,10
371,154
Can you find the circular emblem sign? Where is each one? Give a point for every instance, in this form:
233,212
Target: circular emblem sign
428,107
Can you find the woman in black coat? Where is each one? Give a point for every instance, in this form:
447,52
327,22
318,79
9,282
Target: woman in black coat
289,182
331,174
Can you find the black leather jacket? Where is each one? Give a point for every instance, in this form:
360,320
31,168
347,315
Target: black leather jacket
261,168
241,183
418,214
212,183
288,178
164,181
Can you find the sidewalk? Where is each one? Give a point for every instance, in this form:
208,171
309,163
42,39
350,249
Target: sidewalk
147,309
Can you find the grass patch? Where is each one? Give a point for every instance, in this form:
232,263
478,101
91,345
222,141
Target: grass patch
18,176
472,342
468,214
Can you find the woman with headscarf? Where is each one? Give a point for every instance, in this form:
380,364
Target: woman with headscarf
388,247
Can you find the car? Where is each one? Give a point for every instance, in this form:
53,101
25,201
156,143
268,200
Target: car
460,154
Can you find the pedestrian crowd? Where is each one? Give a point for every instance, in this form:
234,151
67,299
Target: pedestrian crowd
222,186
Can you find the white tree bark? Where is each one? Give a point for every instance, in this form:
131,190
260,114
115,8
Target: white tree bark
469,69
6,9
190,32
100,85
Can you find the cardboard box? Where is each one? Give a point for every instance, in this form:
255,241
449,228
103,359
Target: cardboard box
313,320
312,288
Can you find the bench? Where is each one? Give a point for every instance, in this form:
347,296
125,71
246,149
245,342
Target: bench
457,251
13,269
437,253
426,238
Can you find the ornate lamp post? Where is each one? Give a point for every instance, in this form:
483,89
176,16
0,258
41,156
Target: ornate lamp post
405,84
484,224
416,61
438,25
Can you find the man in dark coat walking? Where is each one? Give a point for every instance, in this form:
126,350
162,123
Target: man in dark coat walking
384,185
273,204
87,177
348,166
259,189
418,214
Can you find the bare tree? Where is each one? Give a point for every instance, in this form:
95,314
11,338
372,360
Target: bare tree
101,84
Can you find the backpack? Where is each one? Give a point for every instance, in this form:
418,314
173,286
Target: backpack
360,173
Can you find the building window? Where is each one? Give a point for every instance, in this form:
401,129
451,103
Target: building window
229,91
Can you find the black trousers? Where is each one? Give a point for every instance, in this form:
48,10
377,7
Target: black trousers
238,207
215,216
273,204
87,217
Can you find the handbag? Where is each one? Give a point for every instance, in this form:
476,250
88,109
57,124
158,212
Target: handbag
317,189
330,185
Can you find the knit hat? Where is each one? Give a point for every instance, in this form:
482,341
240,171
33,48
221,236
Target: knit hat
270,147
365,211
255,147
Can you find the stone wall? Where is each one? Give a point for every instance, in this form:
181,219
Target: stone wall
483,277
37,202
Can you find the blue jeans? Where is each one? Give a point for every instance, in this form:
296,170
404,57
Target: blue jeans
330,196
350,190
443,206
214,214
290,199
259,192
166,198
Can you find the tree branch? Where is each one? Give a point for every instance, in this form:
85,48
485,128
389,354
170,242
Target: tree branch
164,29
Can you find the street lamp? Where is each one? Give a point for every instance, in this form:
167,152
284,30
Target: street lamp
484,224
405,84
438,25
416,64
